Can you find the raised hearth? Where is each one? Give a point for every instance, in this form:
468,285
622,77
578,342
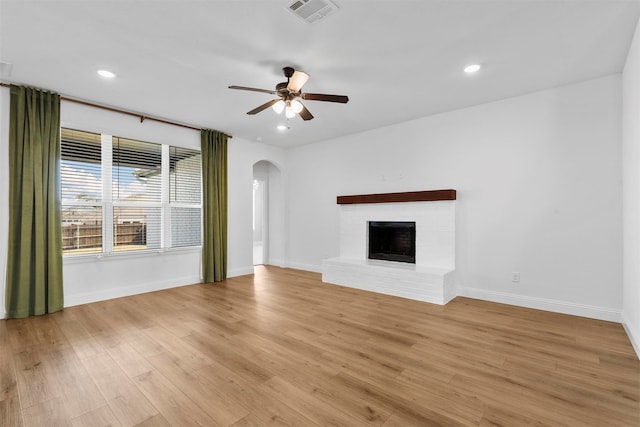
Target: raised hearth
428,276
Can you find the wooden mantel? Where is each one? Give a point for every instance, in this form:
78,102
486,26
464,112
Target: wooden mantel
409,196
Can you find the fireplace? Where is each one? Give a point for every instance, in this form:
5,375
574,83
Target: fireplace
427,272
392,241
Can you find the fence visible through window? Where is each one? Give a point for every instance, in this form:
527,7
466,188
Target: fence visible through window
149,197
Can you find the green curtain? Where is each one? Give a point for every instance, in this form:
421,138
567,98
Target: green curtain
34,261
214,212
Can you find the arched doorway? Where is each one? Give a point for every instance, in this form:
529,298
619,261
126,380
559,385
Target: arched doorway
268,214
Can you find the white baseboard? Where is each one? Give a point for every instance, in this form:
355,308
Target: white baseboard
78,299
593,312
632,333
302,266
243,271
277,262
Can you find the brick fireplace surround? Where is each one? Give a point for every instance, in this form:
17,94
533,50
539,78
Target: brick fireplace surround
431,278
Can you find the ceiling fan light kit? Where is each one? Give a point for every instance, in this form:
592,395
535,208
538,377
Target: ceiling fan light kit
296,106
289,93
278,107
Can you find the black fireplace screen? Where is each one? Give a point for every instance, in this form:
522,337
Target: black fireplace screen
392,241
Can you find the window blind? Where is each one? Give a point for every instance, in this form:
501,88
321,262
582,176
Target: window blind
136,172
186,229
136,228
185,176
80,166
148,207
81,189
185,183
137,194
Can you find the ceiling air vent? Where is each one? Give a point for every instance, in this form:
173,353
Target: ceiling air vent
312,10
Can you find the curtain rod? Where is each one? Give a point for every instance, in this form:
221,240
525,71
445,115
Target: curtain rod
143,117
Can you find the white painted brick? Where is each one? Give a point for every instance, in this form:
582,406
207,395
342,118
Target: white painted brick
431,279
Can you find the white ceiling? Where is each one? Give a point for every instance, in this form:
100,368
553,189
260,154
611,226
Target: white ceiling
396,60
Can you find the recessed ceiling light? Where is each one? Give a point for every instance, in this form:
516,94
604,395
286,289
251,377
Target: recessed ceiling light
282,128
106,73
473,68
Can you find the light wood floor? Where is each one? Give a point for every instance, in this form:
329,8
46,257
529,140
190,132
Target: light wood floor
285,349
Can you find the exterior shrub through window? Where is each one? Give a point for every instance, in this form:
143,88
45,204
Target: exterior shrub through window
120,194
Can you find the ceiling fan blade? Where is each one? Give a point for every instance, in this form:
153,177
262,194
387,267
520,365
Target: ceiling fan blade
296,81
305,114
253,89
323,97
263,106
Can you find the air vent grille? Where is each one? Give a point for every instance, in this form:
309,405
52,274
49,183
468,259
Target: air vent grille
312,10
296,5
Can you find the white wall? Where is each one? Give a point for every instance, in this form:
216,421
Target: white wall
92,278
277,216
274,202
538,180
631,190
243,155
260,173
539,192
96,278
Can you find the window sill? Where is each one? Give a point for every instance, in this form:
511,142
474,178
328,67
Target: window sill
87,258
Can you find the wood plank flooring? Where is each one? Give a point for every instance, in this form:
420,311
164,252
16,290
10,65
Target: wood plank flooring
282,348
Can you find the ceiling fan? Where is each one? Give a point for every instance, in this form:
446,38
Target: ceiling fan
288,93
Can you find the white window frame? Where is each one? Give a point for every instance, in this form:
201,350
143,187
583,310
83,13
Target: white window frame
87,203
171,204
108,205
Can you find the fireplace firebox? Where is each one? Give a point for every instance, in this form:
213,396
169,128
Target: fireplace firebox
392,241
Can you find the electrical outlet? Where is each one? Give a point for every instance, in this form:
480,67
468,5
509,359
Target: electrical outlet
515,277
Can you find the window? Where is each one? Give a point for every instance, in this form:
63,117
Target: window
185,196
120,194
81,176
137,194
